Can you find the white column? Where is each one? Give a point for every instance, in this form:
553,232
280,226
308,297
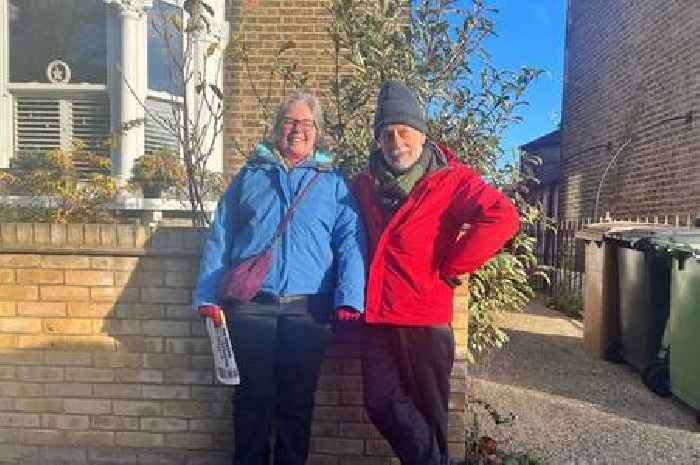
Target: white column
131,98
6,120
210,69
129,83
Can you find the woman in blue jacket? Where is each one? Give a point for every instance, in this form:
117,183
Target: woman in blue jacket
318,268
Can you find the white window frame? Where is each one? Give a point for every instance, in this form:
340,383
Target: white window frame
9,90
7,143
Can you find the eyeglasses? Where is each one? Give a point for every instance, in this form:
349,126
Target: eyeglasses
305,125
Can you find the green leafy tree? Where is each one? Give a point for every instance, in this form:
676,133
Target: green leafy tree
437,48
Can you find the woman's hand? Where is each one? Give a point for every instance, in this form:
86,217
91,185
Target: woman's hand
347,314
213,312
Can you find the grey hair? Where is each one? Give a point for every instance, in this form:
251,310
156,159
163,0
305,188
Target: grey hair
314,105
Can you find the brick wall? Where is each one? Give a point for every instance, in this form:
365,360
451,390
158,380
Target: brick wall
264,25
101,360
630,65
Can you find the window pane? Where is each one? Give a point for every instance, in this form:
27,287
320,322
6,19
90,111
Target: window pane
72,31
164,48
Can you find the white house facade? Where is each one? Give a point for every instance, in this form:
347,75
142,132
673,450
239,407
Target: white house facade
88,69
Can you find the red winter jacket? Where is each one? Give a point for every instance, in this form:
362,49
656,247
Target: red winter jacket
421,241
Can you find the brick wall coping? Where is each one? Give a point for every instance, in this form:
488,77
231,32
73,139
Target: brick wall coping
123,202
100,239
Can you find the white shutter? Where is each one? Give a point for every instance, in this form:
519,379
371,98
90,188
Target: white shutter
90,118
44,123
37,124
157,136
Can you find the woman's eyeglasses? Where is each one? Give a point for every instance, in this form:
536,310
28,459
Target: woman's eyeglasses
303,124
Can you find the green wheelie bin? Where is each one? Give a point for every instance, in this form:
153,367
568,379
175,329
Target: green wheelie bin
683,246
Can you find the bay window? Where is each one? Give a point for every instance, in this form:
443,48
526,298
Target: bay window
88,69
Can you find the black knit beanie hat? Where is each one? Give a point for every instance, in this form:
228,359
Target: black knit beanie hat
397,104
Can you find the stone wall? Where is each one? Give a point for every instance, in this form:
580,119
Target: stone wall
631,67
103,362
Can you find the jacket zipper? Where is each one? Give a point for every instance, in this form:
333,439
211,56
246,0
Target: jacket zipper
410,200
283,254
381,243
284,240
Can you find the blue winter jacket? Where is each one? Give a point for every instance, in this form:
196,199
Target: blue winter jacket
322,250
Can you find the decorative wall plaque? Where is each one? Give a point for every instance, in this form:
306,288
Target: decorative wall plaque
58,72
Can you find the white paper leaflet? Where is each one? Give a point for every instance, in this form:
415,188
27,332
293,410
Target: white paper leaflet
225,368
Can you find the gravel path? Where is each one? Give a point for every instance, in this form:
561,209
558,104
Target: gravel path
574,409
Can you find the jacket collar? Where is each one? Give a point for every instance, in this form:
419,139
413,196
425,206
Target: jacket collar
448,156
266,155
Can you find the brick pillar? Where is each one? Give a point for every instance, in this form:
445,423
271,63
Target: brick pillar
458,397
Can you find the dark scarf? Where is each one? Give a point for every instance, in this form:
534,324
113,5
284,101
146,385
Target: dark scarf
393,188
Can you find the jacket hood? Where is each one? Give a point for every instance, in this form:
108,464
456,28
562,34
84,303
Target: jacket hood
265,153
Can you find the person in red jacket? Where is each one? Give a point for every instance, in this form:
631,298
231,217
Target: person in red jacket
429,220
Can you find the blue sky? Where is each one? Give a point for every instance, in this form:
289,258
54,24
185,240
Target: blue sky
531,33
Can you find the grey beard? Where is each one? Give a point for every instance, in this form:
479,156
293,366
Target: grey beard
402,169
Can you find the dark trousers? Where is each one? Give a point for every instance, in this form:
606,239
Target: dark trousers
278,348
406,376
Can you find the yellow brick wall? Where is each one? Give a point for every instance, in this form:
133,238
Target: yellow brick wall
264,26
102,360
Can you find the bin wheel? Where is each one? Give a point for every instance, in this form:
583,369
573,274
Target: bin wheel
657,378
615,353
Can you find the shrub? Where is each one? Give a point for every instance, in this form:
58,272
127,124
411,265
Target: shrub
58,193
157,171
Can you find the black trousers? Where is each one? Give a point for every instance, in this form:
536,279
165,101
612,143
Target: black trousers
406,376
278,348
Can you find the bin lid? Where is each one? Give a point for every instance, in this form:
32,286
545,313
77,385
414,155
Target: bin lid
674,241
680,241
640,238
599,231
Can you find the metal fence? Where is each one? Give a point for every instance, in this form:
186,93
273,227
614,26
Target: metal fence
563,255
